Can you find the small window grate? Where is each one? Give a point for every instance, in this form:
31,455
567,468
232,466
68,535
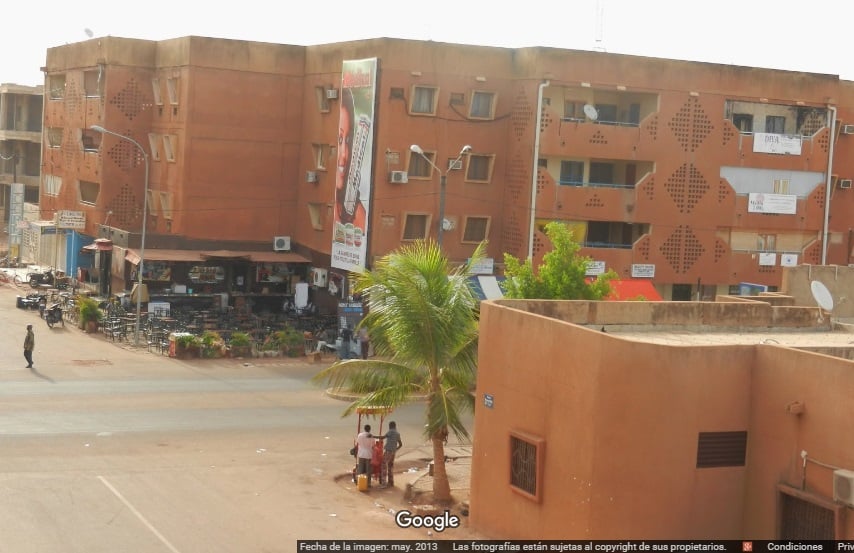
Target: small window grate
523,465
396,93
802,520
721,449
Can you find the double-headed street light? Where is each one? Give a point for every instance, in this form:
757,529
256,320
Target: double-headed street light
100,129
443,181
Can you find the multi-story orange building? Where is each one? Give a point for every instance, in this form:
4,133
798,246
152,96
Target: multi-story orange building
695,176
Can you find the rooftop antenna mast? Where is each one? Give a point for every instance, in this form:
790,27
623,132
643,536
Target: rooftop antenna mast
600,26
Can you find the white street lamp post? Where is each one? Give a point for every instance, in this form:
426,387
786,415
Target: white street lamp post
101,129
443,181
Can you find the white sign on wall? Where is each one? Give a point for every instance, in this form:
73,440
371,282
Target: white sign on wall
789,260
643,270
767,259
595,268
70,219
759,202
769,143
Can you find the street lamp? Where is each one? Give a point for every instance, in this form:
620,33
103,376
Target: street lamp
443,181
100,129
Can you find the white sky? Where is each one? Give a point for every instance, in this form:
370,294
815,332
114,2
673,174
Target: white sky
812,36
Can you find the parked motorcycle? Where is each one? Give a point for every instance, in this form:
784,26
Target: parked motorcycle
53,315
42,278
30,301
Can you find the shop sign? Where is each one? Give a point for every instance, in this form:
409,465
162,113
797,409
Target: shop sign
643,270
203,274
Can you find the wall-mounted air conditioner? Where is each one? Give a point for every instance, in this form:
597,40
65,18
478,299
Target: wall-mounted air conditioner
331,93
398,177
311,176
843,486
844,183
282,243
455,164
847,129
319,277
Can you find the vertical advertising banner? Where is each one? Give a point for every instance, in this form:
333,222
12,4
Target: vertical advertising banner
354,164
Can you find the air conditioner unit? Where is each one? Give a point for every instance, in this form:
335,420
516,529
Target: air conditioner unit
331,93
311,176
319,277
398,177
847,129
455,164
843,486
844,183
282,243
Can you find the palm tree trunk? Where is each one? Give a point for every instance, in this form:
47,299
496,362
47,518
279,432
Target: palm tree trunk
441,484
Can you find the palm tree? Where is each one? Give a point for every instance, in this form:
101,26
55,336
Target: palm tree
422,319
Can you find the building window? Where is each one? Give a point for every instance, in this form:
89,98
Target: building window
153,202
321,155
482,105
56,87
93,83
721,449
573,110
166,204
54,137
89,192
155,88
601,173
572,173
420,167
526,460
415,226
322,99
154,144
479,168
52,185
781,186
475,229
90,140
172,89
458,99
743,122
396,93
317,214
766,242
424,99
607,113
775,124
170,144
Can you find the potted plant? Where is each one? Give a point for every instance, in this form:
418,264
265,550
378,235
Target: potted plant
186,346
212,344
290,342
240,344
89,314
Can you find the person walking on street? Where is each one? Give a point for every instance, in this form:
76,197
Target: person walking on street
29,344
364,342
365,452
392,444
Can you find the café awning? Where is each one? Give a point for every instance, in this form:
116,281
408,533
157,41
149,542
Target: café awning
164,255
211,255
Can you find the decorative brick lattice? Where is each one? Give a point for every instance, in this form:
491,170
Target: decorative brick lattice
522,114
724,191
541,243
517,175
721,250
728,134
73,97
648,188
594,201
686,186
768,269
813,122
824,142
125,155
69,152
542,180
126,208
546,119
652,127
131,100
682,249
598,138
819,195
511,234
642,248
690,125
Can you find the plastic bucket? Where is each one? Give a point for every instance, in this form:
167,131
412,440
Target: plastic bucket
362,482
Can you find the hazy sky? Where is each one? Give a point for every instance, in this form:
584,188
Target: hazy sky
810,36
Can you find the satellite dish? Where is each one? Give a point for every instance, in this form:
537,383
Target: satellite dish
447,224
590,112
89,32
822,295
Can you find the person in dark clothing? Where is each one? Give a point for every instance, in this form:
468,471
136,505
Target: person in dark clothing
392,444
29,344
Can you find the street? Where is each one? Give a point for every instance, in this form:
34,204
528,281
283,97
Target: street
107,447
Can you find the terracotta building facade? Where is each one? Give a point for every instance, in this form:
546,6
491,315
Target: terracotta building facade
596,435
697,177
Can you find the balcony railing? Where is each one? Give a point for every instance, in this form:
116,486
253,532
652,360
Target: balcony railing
573,182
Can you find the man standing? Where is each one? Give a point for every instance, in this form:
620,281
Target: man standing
392,444
364,342
29,344
364,452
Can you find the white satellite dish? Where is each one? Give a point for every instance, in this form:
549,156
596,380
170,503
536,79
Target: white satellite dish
822,295
590,112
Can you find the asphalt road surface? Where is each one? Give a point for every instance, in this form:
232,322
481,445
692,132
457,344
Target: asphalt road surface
109,448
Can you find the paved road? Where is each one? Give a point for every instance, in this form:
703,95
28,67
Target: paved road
108,448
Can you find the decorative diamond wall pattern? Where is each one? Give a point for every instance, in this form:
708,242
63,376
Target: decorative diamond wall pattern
682,249
686,187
